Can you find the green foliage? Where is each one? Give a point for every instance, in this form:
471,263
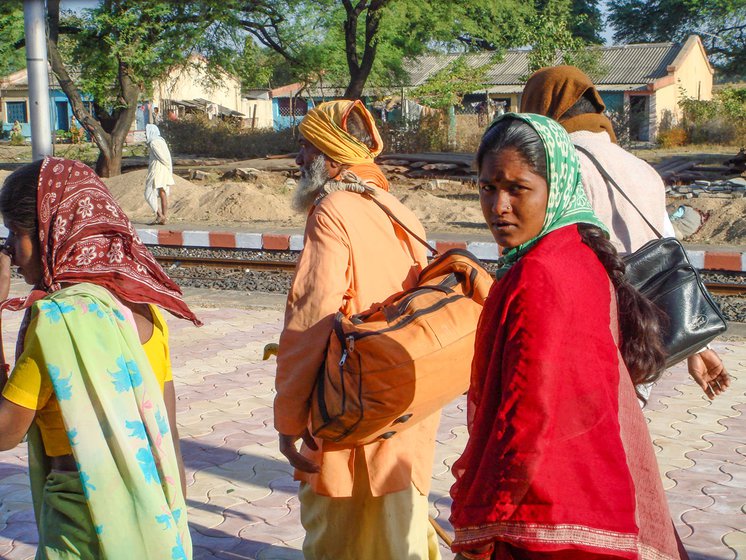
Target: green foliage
721,25
721,120
12,59
448,86
329,42
587,21
552,40
729,103
310,34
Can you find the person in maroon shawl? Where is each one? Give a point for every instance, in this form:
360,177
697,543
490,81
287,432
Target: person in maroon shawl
65,228
559,463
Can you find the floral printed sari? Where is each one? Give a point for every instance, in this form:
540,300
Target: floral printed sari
117,424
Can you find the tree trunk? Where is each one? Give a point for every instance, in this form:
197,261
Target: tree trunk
355,86
109,163
110,140
360,69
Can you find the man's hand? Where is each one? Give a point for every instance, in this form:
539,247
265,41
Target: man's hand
4,274
707,369
287,448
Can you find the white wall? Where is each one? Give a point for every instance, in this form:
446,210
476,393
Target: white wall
189,83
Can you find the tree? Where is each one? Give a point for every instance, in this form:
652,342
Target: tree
550,34
120,49
587,21
448,86
721,25
11,22
364,42
115,52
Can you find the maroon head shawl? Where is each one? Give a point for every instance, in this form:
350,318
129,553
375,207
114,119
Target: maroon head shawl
84,236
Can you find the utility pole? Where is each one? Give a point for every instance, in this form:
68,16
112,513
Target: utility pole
38,78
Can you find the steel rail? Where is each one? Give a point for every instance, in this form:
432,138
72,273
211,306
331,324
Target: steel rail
726,288
718,288
253,264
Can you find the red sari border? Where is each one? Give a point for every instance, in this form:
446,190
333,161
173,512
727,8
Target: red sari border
522,534
539,533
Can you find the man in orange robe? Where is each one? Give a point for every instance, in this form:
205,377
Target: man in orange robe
365,502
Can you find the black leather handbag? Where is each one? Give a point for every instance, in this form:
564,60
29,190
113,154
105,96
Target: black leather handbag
661,271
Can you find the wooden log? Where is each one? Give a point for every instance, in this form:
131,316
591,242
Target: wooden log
437,157
440,166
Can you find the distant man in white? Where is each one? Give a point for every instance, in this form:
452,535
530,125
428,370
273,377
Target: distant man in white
160,173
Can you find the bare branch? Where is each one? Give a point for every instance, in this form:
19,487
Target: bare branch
259,31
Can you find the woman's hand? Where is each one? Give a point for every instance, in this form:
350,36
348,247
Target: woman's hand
707,369
4,274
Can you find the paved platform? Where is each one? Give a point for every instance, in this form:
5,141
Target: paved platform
241,495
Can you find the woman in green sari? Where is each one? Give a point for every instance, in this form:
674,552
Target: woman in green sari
91,371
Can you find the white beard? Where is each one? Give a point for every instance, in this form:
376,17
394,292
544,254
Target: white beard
309,186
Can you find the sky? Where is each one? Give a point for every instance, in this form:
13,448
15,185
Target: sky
77,4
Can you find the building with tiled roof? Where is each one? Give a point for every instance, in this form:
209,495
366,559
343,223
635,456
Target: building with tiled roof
644,80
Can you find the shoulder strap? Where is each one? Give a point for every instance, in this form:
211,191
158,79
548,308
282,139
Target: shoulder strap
614,184
391,215
4,366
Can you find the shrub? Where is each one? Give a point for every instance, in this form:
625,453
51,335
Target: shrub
429,133
197,135
721,120
17,139
672,137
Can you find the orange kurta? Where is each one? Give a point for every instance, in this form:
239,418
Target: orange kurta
353,257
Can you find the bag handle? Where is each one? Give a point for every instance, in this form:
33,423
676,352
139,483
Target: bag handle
614,184
391,215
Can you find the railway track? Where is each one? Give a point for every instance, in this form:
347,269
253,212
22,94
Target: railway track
226,263
726,288
169,261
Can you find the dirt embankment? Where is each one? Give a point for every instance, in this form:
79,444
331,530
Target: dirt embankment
442,206
725,220
267,201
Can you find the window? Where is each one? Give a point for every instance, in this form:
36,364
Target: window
16,111
300,106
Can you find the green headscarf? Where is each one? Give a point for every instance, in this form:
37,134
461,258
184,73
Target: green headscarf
568,203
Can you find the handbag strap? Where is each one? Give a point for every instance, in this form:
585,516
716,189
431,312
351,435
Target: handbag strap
4,366
613,183
393,217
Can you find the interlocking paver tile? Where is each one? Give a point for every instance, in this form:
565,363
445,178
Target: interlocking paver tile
243,501
707,540
736,541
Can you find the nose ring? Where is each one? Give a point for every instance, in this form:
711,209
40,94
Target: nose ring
508,207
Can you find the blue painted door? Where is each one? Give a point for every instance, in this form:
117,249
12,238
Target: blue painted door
63,120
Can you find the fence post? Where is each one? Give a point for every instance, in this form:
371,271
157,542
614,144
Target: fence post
452,127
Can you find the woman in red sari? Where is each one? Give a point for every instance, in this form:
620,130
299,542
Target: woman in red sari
559,463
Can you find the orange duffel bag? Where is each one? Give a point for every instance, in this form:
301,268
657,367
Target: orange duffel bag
394,365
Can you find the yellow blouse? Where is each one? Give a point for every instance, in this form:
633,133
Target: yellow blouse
30,388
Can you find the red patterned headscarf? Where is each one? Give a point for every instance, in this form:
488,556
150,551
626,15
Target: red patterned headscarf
84,236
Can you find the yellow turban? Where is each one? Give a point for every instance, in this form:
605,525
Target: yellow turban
325,127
